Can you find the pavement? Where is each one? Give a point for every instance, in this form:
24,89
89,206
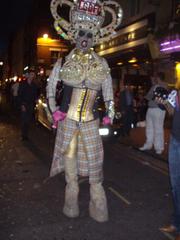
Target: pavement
31,203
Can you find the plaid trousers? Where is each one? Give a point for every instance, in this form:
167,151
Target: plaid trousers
90,152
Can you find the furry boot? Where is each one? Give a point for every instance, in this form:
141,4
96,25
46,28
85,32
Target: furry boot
98,204
71,208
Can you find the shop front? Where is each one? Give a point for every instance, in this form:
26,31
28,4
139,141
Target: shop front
169,61
131,53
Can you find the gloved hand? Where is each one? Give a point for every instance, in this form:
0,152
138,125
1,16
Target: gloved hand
58,116
106,120
110,112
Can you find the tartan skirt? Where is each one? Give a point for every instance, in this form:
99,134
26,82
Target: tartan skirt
90,152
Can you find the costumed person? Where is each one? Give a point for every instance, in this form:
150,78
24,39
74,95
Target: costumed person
78,148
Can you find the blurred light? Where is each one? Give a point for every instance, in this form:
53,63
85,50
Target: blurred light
104,131
115,132
133,60
15,78
45,36
135,65
26,68
178,75
131,36
40,101
44,105
170,45
41,72
1,63
6,80
102,46
165,43
47,79
170,48
120,63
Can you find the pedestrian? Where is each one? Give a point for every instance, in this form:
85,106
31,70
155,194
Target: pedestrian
126,108
14,91
174,165
78,147
27,98
155,118
141,105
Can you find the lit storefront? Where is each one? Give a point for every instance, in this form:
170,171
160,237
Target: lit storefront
131,51
170,58
48,51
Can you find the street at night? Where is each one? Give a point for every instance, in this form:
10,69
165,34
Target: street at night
137,188
90,120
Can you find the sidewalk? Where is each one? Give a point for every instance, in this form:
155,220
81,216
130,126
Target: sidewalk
137,139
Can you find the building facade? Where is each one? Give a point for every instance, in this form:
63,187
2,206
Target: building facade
134,53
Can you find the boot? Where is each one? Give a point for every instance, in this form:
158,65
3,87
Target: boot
71,208
98,204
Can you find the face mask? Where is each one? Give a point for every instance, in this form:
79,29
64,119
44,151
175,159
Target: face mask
84,40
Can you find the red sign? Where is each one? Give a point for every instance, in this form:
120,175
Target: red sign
90,6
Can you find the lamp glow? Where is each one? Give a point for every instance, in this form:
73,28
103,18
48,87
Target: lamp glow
45,36
133,60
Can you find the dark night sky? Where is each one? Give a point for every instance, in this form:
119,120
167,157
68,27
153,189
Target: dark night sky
13,14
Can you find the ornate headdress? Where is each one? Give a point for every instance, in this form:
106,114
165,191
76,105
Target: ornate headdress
88,15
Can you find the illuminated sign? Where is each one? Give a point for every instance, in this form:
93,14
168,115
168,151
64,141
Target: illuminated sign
170,46
90,6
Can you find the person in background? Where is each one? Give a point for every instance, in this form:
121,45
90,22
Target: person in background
14,91
154,119
141,105
126,108
174,164
27,98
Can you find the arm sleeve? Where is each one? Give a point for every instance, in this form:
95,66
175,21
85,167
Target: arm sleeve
107,88
149,95
51,86
108,96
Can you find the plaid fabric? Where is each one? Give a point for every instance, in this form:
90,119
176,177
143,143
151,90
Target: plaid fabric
107,89
90,150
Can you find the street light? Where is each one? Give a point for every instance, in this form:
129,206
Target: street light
45,36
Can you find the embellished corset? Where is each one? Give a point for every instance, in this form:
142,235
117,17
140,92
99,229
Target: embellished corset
81,104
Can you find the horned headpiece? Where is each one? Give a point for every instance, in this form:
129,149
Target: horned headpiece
88,15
